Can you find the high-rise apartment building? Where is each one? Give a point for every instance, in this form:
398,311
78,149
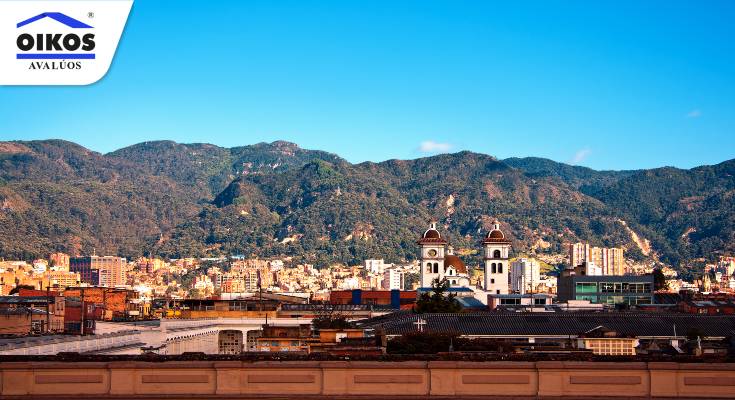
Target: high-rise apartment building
150,265
107,271
613,262
579,253
393,279
525,275
611,259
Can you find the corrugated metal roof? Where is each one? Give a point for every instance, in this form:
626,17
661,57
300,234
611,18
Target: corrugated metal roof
25,299
555,324
470,302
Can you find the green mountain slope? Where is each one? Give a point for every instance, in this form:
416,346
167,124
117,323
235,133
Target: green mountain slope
278,199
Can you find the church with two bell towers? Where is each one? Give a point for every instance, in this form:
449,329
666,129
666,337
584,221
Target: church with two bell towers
439,262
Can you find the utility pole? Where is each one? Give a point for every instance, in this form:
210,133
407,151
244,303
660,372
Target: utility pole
48,305
48,297
81,291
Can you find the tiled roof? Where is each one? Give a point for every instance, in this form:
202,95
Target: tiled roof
555,324
456,262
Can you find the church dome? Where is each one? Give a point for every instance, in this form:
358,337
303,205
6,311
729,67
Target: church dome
456,262
495,235
432,236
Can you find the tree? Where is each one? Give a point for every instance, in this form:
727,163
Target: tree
436,301
331,321
421,343
659,280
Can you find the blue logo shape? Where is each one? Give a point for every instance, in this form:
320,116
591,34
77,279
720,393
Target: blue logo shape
57,16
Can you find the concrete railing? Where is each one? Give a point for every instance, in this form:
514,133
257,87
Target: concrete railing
366,379
49,345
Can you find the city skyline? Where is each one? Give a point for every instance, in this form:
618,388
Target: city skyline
617,86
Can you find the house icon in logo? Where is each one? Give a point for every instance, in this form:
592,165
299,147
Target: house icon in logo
57,16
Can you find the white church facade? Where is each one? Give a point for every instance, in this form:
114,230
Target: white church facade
438,261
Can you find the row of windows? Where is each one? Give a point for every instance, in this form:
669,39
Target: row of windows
611,347
612,300
624,287
632,300
538,302
586,287
613,287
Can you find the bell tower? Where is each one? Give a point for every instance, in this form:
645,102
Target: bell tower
431,247
496,251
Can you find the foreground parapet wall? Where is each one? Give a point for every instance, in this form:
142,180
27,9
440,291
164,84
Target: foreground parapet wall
366,379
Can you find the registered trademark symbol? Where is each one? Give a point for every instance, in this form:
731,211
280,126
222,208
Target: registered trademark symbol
90,14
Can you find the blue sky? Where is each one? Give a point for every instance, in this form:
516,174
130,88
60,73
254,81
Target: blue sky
609,85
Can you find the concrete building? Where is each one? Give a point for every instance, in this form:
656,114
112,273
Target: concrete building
525,275
108,271
605,289
393,279
519,302
610,260
613,262
375,266
150,265
60,279
578,253
60,261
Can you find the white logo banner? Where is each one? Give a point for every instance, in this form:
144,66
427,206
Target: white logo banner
59,42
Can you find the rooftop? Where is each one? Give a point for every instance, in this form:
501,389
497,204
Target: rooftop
554,324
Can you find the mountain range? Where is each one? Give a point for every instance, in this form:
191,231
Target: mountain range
277,199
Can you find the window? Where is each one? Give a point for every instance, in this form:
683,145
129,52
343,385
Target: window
496,254
500,268
494,268
492,280
586,287
539,302
607,287
436,268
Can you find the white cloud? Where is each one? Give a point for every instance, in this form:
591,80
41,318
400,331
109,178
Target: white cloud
696,113
580,155
430,146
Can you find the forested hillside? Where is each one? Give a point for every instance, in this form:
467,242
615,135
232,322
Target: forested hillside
177,200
